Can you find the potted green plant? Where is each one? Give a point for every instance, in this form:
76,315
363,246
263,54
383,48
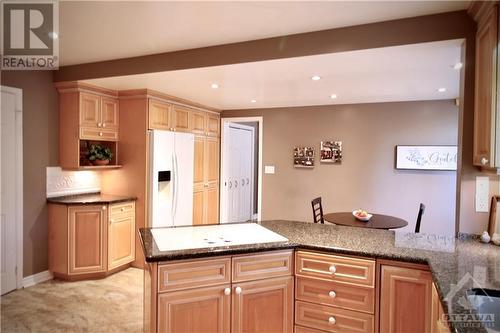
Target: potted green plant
99,154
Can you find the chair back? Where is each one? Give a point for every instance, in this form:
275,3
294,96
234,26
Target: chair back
421,211
317,211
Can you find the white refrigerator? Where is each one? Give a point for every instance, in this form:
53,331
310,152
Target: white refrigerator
171,174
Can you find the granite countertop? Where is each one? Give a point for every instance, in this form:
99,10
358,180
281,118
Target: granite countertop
90,199
457,264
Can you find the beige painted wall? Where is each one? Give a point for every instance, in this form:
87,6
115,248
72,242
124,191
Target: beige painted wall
40,149
366,178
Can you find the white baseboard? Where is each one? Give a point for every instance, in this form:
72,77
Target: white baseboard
37,278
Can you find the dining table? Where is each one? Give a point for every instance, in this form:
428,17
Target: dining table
377,221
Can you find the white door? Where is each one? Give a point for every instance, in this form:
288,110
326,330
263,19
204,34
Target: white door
237,173
9,169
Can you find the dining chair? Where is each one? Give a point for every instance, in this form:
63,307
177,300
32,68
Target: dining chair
421,211
317,211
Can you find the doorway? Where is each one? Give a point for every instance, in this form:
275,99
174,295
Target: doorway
11,193
241,153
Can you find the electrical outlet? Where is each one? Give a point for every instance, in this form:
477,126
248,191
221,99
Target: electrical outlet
482,194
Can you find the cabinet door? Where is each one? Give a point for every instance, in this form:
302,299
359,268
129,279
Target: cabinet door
199,160
203,310
405,300
109,113
87,237
90,110
159,115
263,306
121,240
212,147
485,90
213,125
198,122
181,119
199,204
212,203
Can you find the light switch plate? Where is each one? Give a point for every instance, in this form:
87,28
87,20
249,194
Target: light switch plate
269,169
482,194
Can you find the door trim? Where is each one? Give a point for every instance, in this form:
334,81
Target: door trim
259,120
18,93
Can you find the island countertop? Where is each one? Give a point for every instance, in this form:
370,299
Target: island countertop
456,264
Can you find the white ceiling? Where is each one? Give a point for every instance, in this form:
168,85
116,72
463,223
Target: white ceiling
400,73
103,30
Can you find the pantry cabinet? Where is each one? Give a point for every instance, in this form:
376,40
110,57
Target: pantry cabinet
90,241
486,104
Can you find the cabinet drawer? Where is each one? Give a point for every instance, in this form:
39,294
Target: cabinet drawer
300,329
127,208
335,268
332,319
192,274
98,134
260,266
335,294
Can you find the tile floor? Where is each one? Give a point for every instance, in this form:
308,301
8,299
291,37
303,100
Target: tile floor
109,305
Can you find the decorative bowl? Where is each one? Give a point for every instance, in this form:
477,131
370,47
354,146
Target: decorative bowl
364,218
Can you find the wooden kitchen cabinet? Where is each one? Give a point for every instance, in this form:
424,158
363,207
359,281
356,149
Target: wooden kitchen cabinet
439,325
87,114
263,306
87,236
206,310
90,241
486,104
181,118
405,300
159,115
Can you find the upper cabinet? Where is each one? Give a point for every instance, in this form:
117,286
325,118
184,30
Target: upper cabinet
88,115
486,103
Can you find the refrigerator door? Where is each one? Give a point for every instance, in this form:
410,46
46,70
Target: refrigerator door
162,159
183,178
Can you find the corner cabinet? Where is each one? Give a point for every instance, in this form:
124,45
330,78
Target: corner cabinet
90,241
87,115
486,101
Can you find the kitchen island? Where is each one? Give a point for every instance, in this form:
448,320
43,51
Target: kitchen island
366,263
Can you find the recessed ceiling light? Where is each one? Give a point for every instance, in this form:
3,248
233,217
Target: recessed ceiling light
441,90
214,85
253,101
333,96
316,78
458,65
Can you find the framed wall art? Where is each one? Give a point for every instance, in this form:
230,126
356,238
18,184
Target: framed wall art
303,157
331,152
439,158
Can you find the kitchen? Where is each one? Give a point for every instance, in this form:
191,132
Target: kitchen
115,104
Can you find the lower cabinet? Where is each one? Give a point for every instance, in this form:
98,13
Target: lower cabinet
405,300
239,294
90,241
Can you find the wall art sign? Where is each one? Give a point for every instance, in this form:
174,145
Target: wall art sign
426,158
303,157
331,152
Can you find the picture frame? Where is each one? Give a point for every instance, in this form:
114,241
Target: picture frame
331,152
303,157
427,157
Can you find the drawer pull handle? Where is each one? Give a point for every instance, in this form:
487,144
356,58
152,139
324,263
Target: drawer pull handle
331,320
238,290
332,294
227,291
332,269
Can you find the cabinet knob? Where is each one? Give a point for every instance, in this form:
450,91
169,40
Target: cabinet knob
103,124
171,128
111,221
332,269
205,185
103,207
484,161
122,209
332,294
331,320
100,133
99,124
227,291
238,290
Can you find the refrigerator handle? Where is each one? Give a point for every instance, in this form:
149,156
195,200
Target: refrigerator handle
176,184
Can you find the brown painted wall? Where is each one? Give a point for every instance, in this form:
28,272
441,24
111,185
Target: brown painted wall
40,149
366,178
